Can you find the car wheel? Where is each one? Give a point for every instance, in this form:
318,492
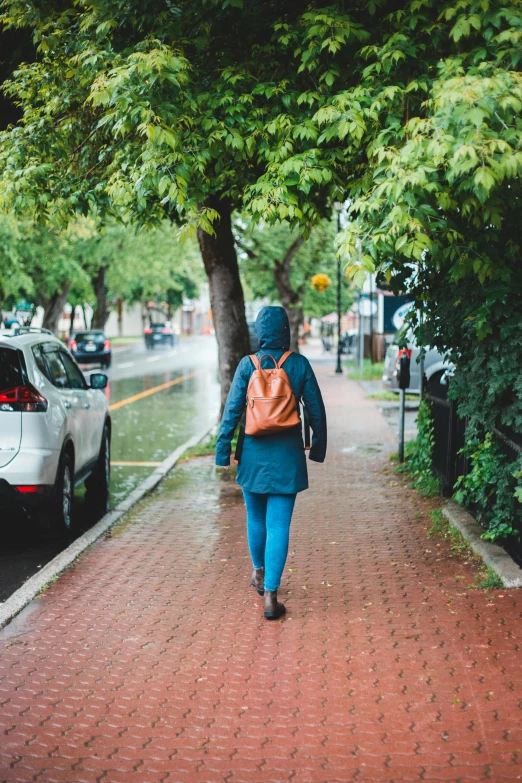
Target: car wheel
56,521
108,363
97,484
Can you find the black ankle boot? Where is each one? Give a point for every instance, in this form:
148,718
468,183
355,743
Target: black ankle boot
258,575
273,609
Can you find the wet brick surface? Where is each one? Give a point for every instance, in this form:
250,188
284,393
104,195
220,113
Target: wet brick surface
149,660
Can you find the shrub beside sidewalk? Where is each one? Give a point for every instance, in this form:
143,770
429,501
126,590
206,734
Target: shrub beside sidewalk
423,484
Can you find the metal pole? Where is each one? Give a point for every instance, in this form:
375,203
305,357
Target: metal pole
361,339
371,318
339,368
402,413
421,362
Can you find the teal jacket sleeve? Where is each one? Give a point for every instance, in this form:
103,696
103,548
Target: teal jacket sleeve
313,400
234,408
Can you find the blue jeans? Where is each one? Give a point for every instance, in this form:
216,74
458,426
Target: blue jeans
268,531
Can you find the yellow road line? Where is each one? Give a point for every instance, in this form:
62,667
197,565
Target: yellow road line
136,464
154,390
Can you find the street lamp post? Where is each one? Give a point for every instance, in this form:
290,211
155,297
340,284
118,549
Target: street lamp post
338,208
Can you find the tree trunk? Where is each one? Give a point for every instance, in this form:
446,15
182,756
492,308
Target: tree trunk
290,299
296,319
71,324
120,317
226,294
101,313
53,307
84,313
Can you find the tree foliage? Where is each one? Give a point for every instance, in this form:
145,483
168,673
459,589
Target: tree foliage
265,249
146,109
40,263
153,266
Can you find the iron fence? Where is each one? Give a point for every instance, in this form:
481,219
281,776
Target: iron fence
448,461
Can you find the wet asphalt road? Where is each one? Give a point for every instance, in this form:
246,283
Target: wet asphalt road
145,430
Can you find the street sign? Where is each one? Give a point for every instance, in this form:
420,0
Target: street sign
401,313
24,306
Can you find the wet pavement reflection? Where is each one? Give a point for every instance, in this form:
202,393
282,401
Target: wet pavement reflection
145,430
151,428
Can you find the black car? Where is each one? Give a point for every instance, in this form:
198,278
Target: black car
159,334
91,346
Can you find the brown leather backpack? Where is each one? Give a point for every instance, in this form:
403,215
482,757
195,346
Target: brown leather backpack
271,405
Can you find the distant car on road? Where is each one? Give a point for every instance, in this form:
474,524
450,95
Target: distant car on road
91,346
159,334
55,431
435,367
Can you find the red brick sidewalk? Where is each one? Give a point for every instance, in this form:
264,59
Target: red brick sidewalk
150,661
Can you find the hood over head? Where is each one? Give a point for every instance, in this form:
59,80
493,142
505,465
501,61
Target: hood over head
273,328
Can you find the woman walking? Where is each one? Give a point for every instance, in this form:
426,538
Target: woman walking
272,464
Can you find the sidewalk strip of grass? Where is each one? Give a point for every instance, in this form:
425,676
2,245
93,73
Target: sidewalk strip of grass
370,372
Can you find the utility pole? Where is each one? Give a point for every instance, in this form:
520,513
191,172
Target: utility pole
338,208
360,344
371,318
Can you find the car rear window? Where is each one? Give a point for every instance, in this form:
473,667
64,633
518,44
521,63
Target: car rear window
95,337
10,369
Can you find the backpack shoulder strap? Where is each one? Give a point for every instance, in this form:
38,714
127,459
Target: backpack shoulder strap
255,361
283,359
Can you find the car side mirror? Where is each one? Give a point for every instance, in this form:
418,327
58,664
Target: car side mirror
98,380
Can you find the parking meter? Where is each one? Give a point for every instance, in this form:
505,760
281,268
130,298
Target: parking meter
403,377
403,368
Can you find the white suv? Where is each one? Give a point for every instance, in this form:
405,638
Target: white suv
55,430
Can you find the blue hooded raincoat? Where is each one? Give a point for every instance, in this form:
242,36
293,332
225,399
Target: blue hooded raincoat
274,464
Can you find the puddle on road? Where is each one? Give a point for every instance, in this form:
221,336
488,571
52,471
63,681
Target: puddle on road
149,429
124,480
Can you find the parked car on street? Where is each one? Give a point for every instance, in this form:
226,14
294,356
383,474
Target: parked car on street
91,346
55,431
159,334
435,367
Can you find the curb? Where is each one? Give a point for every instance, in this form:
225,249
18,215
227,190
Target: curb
492,554
30,589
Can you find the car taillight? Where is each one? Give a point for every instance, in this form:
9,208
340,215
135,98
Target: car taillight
26,399
148,331
166,331
106,345
29,488
73,345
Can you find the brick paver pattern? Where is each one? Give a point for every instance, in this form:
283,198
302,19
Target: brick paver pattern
149,660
